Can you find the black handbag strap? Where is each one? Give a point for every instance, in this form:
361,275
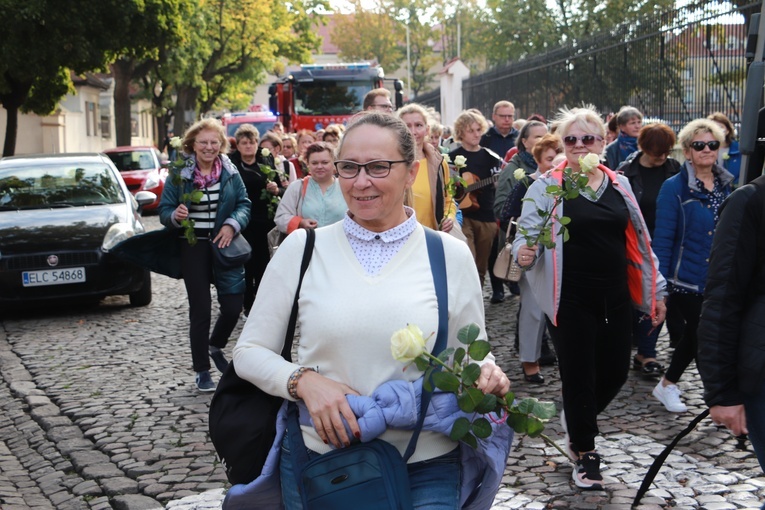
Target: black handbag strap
438,269
307,253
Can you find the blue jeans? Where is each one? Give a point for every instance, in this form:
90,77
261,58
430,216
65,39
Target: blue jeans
435,483
645,334
755,422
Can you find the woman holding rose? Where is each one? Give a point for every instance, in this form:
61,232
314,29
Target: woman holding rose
588,284
375,260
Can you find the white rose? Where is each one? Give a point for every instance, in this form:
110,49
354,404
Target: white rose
265,152
460,161
519,174
447,158
589,162
176,142
407,344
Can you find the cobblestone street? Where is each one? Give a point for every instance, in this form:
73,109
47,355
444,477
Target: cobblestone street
98,409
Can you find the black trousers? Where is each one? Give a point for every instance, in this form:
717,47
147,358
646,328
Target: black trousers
593,341
687,306
197,267
256,234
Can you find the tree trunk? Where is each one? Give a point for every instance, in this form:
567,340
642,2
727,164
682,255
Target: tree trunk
123,71
11,102
187,100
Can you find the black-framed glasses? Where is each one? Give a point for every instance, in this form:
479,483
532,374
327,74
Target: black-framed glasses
698,145
587,140
376,169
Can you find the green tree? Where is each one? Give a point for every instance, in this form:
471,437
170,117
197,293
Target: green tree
160,25
374,33
42,41
234,43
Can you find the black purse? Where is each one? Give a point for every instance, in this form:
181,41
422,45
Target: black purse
370,475
236,254
242,417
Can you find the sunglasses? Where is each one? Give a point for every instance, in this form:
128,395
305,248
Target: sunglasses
587,140
698,145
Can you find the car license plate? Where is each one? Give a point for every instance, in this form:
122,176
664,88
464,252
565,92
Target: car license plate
53,276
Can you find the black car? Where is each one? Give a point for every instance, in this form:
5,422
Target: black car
59,217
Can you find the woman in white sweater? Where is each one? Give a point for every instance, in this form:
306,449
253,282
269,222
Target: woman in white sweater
369,276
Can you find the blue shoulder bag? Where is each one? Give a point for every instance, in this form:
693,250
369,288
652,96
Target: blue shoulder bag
373,473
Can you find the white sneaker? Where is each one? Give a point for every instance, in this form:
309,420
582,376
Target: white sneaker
669,395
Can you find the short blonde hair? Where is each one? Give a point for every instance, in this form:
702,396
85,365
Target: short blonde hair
502,104
695,127
585,117
467,119
190,136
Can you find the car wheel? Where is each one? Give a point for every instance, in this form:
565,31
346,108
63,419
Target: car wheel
142,296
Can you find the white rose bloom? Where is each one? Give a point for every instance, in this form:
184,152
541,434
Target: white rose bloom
460,161
265,152
589,162
519,174
407,344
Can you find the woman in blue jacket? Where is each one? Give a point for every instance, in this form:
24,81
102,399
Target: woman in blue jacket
688,207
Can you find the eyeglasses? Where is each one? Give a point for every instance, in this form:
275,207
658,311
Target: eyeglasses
587,140
213,144
376,169
388,107
698,145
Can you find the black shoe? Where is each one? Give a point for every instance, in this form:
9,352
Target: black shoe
652,369
221,363
537,378
514,289
497,297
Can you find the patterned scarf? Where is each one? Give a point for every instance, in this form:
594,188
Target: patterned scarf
627,145
205,181
528,159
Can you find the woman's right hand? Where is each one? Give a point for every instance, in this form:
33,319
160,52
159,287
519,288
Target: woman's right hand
527,254
327,405
308,223
181,213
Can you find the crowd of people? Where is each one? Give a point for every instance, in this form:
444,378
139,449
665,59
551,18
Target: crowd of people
636,245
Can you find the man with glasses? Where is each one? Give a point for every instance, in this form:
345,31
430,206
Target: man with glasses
501,137
378,100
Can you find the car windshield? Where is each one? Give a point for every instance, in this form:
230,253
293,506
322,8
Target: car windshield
328,97
126,161
70,185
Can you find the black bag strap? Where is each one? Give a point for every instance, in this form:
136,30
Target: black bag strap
438,269
307,253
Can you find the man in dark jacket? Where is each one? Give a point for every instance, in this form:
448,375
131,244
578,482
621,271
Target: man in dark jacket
499,139
731,335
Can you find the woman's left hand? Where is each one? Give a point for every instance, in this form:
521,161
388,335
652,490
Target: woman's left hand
225,235
272,188
493,380
447,224
661,312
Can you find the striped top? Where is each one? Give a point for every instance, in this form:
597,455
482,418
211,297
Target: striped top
204,212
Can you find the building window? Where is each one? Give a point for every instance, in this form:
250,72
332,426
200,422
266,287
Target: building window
91,116
106,126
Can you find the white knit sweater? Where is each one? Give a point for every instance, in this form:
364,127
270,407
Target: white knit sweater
346,319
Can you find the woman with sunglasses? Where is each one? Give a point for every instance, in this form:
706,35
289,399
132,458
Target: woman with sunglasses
582,284
688,206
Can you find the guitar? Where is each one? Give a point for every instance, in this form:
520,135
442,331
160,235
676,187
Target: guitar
468,200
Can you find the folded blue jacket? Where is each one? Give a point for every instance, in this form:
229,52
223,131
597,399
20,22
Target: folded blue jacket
395,404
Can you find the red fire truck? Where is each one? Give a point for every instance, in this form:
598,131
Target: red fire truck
321,94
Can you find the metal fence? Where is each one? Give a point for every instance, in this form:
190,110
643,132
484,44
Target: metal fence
675,66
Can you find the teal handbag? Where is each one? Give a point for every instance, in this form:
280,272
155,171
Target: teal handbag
371,475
